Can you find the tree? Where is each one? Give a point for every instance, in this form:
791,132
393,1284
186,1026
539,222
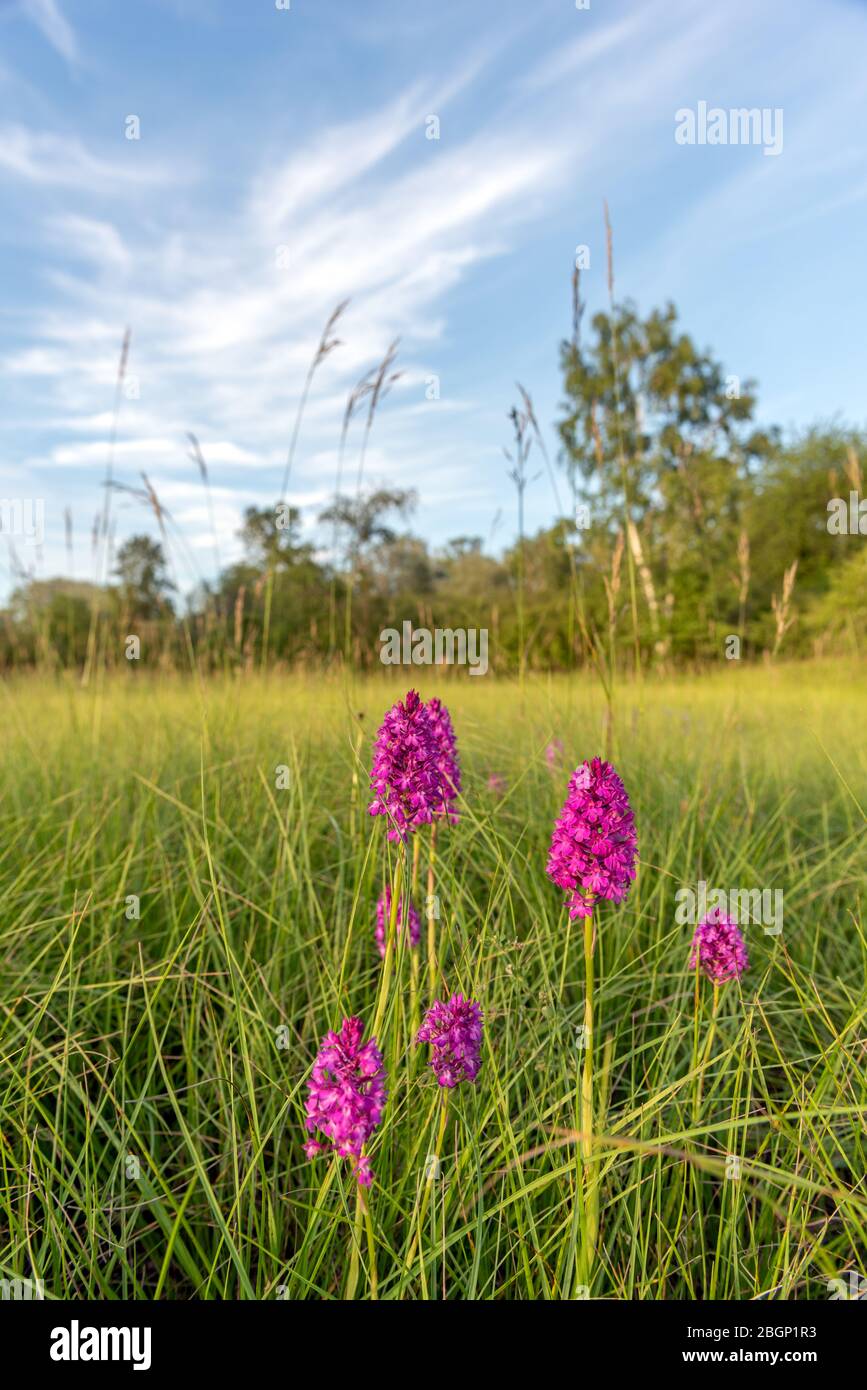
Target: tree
658,441
272,537
363,518
143,578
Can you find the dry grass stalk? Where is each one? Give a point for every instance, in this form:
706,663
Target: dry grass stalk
612,585
239,616
783,617
644,573
853,469
597,437
326,345
123,362
199,459
577,310
741,580
381,383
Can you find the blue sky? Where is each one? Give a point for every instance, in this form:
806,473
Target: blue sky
283,164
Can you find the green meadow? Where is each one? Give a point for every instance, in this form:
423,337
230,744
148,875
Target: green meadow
188,880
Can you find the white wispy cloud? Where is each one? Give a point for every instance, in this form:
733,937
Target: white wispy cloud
149,451
586,49
226,284
60,161
52,23
219,323
90,239
223,329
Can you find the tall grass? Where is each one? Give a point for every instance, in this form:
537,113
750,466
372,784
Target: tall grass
153,1070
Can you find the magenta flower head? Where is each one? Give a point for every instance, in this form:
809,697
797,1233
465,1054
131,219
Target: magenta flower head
447,755
383,914
454,1031
346,1096
718,948
405,777
594,848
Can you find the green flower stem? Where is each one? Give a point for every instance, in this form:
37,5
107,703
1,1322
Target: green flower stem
589,1177
432,968
432,1174
385,977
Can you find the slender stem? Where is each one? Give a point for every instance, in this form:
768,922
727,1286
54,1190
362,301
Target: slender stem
371,1252
416,853
400,1076
414,1011
521,653
385,978
695,1017
352,1278
591,1194
706,1052
432,968
266,623
357,543
431,1175
354,798
615,358
269,588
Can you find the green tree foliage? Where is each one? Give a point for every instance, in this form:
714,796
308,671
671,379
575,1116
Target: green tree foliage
144,584
687,517
656,435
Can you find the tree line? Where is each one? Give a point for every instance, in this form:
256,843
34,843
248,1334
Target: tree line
684,534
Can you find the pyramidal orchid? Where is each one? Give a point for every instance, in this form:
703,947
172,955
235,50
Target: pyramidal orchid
454,1031
718,948
594,846
718,951
592,858
346,1096
406,779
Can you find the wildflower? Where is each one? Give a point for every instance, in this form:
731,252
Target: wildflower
447,755
454,1031
718,947
497,784
405,777
383,913
346,1095
593,847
